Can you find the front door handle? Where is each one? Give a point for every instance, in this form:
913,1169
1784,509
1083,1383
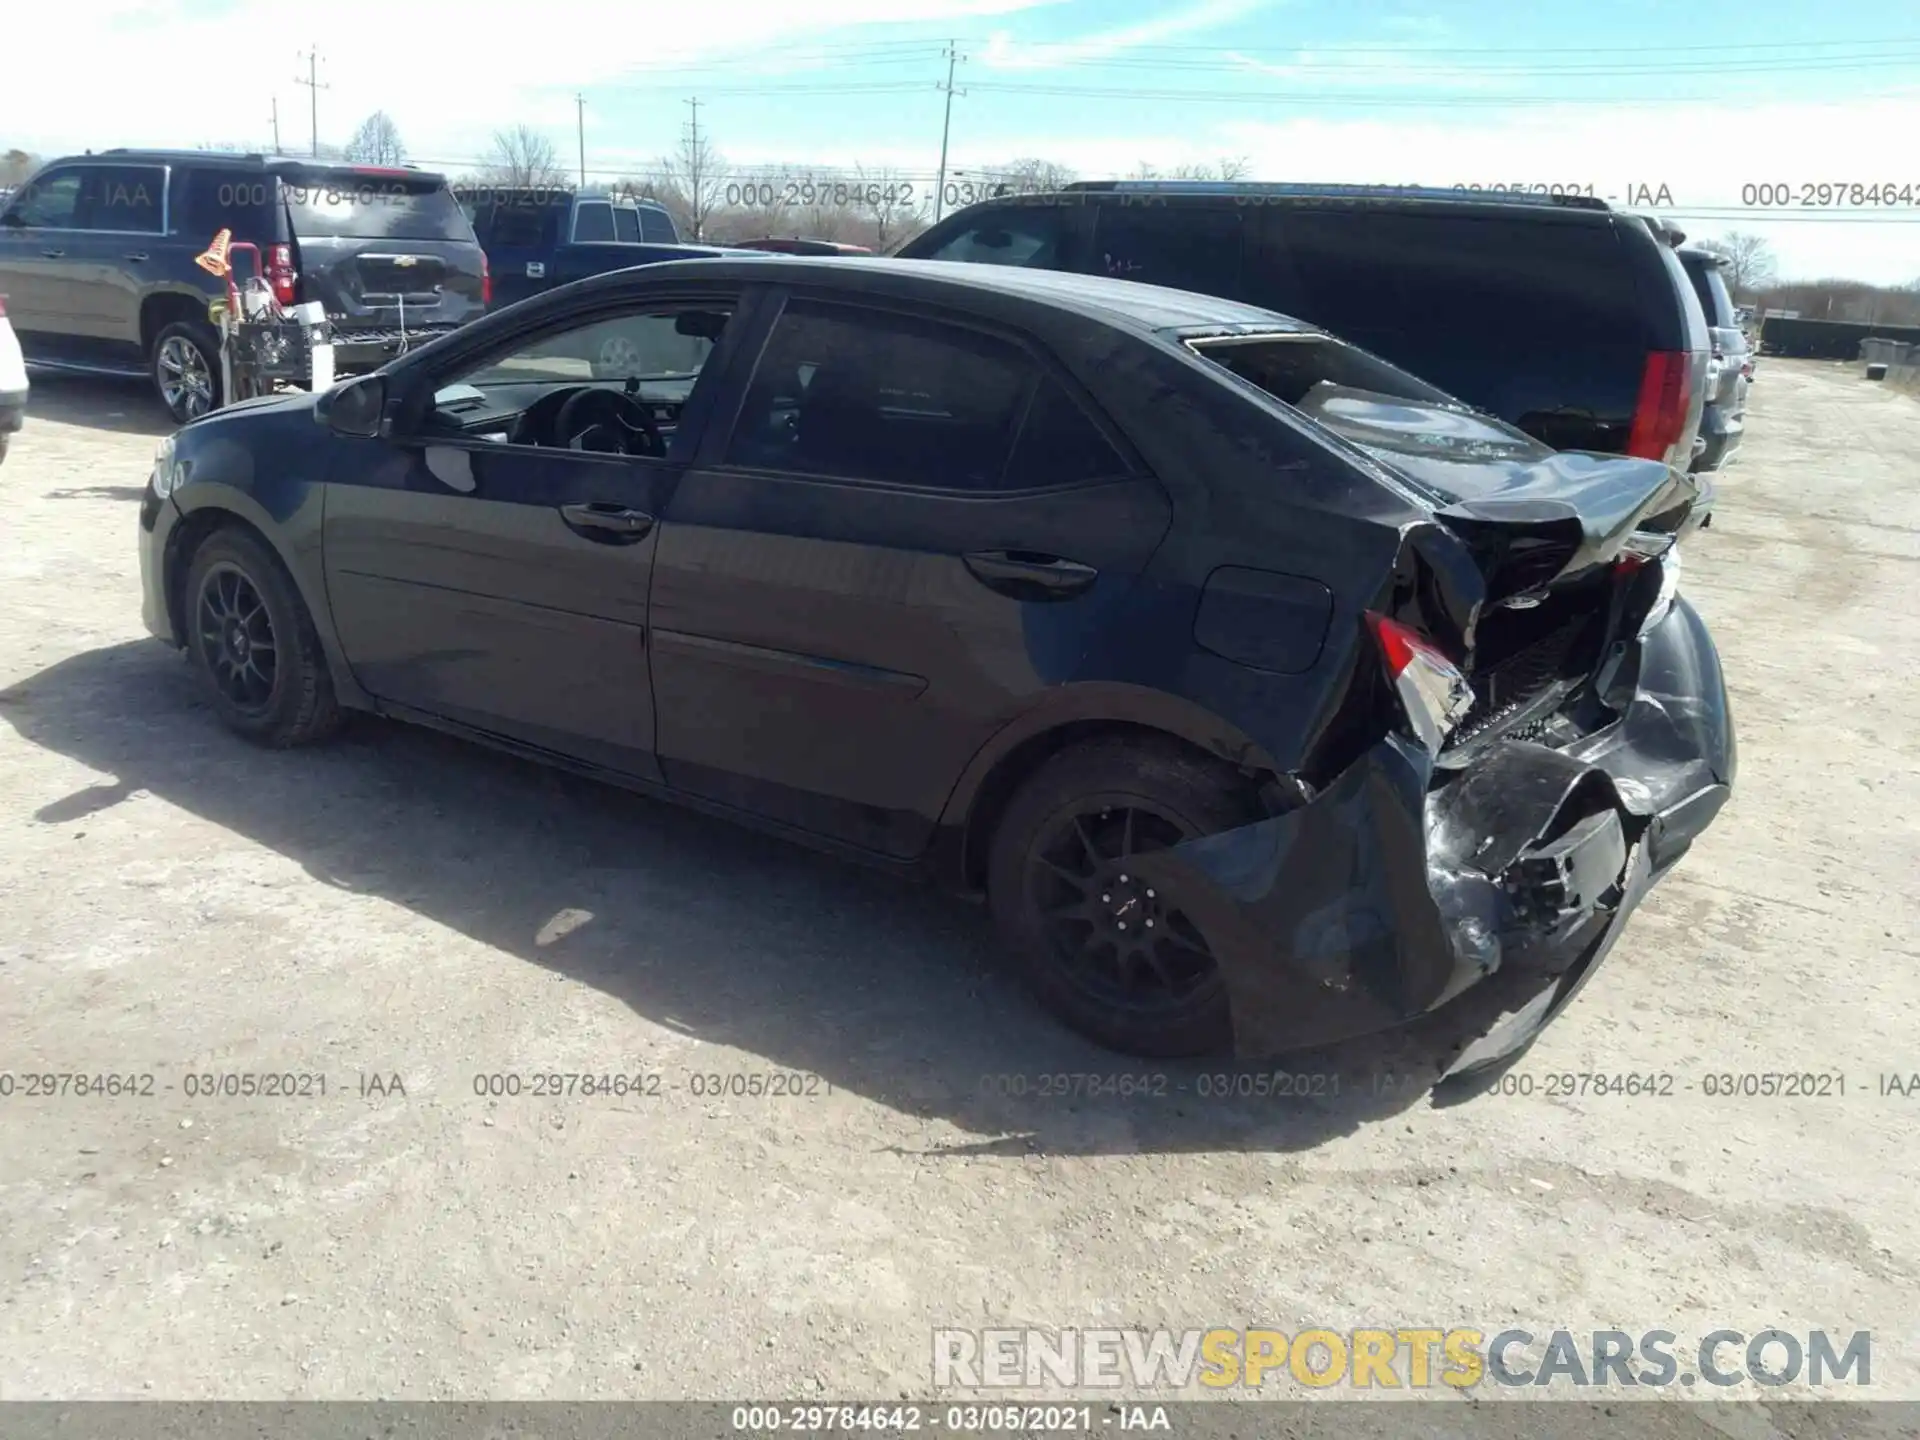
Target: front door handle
54,254
608,520
1030,575
137,256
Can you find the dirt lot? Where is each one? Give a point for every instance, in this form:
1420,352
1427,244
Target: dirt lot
173,902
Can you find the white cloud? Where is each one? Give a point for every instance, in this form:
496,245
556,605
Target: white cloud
446,72
1004,53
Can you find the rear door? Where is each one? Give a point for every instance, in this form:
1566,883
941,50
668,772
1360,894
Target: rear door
914,529
379,248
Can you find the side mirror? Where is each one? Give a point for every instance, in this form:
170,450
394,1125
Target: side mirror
356,408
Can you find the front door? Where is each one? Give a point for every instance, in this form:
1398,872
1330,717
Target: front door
913,529
493,568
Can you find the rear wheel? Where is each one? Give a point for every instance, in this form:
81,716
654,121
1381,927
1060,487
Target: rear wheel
254,646
185,366
1103,949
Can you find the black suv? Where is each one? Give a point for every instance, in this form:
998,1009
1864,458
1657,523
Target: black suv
1724,421
1558,314
97,260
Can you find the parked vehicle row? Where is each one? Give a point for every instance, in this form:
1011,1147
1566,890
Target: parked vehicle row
1266,693
97,256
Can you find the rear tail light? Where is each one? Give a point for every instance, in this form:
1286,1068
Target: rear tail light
3,307
486,281
1660,415
1432,691
280,273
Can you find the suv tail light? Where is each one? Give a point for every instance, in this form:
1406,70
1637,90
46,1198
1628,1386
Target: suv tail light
1660,415
280,273
486,281
1432,691
3,307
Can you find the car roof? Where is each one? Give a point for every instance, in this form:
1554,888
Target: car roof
1125,303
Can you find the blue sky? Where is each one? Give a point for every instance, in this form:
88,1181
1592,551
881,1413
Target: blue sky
1703,98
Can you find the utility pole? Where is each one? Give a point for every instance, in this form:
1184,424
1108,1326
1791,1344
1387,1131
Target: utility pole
276,124
580,114
946,129
694,157
312,81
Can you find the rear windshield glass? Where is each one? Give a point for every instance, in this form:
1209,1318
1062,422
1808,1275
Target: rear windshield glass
1367,402
373,207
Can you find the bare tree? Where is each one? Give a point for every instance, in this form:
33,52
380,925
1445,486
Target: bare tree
893,207
1031,175
16,166
377,141
1226,170
1750,266
695,175
523,156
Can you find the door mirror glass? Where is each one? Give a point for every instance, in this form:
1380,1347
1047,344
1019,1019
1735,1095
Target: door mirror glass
357,407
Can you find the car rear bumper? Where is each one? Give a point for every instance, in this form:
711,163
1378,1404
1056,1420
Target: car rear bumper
1398,887
1721,430
13,409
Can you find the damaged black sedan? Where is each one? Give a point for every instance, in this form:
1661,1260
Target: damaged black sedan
1267,694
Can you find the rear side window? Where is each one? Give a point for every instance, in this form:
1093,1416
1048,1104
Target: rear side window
871,395
208,201
1715,303
626,224
1183,247
656,227
516,227
1059,444
592,221
123,198
372,207
1034,236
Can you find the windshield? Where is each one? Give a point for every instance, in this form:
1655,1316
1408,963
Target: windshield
348,204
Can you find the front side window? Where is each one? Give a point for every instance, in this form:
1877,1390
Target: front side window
50,201
668,346
871,395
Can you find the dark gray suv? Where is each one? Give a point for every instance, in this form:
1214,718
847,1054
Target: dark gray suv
97,260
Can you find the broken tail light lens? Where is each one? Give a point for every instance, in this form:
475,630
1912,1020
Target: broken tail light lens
1432,690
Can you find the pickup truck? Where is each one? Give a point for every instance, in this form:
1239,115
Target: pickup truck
537,237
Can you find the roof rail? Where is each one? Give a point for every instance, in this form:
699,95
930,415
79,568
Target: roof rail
1334,190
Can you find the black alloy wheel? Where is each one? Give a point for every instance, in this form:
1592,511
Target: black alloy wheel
237,638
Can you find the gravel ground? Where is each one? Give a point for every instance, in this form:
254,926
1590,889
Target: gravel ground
399,906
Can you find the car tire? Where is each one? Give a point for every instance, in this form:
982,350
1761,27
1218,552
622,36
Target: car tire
185,369
254,646
1080,801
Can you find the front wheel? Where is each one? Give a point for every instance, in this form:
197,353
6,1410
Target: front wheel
1104,950
253,644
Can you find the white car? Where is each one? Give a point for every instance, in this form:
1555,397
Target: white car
13,381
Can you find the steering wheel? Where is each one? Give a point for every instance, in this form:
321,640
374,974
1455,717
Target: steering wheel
609,422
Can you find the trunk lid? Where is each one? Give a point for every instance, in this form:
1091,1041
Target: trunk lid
383,250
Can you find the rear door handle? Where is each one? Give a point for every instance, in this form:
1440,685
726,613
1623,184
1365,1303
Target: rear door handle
54,254
610,520
137,256
1029,574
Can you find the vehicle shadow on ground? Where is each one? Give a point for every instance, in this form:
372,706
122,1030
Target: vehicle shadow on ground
884,988
126,407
